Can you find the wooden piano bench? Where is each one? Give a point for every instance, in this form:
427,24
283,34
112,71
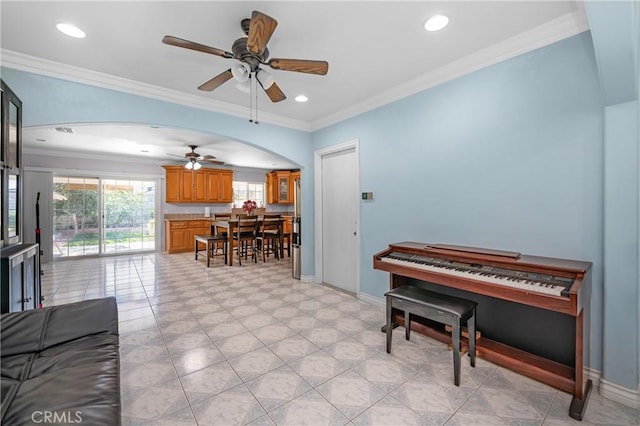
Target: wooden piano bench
445,309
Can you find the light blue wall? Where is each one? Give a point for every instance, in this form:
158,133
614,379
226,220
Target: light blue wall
615,30
52,101
509,157
621,244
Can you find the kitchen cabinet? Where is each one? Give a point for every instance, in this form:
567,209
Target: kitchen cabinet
219,186
173,183
198,186
20,285
280,186
179,234
271,188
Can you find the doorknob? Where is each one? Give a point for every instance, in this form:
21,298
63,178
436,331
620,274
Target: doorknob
354,232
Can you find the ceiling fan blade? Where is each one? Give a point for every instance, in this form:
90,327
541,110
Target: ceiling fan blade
216,81
175,41
300,65
213,162
260,30
274,92
174,155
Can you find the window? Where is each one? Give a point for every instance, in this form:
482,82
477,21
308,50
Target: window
243,191
94,216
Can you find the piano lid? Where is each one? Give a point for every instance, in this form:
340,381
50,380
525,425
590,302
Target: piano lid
475,250
507,258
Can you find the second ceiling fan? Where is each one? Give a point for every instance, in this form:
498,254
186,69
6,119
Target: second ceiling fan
251,52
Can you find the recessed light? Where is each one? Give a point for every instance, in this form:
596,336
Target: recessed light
41,140
436,23
70,30
301,98
144,150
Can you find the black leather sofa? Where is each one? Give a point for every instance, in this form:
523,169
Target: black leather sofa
61,365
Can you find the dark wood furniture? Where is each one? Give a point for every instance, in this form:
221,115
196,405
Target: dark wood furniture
20,273
230,225
11,175
211,242
244,238
530,311
442,308
268,237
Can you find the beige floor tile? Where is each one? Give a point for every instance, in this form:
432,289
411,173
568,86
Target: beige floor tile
308,353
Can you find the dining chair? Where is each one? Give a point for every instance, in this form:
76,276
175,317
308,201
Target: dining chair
244,239
212,243
268,238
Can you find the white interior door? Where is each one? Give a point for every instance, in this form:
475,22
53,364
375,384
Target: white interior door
339,219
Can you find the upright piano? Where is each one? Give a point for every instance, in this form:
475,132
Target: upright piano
530,310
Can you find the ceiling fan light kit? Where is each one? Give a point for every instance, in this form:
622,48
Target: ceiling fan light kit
194,159
192,164
241,72
252,52
265,78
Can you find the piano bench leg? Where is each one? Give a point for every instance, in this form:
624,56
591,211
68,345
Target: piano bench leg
389,326
407,325
455,335
471,326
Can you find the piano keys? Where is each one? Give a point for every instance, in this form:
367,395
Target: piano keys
530,309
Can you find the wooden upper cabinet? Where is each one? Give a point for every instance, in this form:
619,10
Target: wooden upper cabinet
271,188
198,186
193,186
213,187
284,188
280,186
225,186
173,186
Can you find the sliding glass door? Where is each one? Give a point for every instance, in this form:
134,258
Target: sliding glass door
75,216
128,216
94,216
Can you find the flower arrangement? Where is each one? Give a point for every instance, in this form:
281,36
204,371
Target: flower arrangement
249,206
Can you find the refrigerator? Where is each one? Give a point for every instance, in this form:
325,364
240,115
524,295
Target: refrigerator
296,230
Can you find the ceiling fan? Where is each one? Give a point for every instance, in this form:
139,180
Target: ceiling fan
251,52
194,159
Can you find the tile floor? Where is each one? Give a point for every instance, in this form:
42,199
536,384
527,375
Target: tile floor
250,345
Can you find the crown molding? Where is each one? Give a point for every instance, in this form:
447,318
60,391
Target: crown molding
543,35
58,70
550,32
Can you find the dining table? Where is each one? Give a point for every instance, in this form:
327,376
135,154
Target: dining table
230,224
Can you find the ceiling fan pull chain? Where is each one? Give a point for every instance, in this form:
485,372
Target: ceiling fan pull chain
250,101
256,92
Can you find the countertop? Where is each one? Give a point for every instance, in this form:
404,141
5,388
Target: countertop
199,216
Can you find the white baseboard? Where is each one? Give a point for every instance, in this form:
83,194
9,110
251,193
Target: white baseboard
371,299
617,393
612,391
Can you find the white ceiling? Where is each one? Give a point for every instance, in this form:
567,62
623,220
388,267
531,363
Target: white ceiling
378,51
